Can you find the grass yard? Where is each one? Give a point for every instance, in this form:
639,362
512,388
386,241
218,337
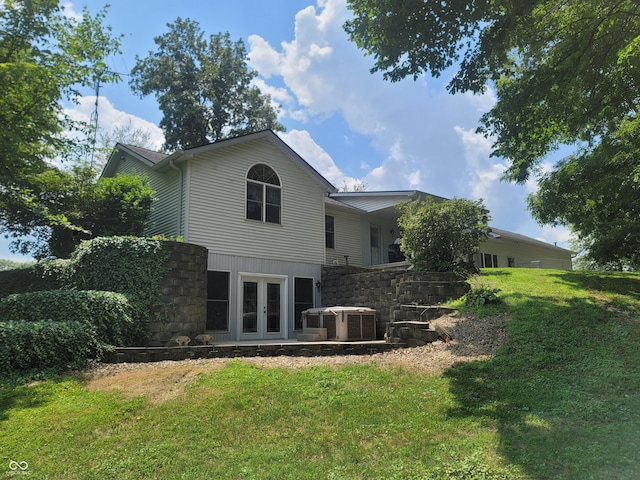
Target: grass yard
561,400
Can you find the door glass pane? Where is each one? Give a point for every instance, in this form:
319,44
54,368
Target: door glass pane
375,237
250,307
273,307
376,257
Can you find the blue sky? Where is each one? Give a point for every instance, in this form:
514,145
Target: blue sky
350,125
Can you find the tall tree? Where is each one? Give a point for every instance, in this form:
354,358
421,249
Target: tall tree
45,58
125,134
203,87
566,72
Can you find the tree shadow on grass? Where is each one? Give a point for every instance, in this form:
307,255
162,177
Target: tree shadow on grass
563,392
624,286
23,395
620,282
494,273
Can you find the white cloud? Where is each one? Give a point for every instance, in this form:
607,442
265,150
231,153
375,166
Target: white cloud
279,96
556,235
395,172
484,101
410,123
109,118
302,143
262,56
483,173
70,12
424,138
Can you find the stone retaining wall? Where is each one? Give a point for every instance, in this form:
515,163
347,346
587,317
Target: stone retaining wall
182,308
157,354
386,288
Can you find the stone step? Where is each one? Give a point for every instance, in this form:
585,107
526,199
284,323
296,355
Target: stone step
412,332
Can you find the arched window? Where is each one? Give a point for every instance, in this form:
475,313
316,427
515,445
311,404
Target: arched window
264,195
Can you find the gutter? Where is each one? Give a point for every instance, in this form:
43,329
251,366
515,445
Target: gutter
180,191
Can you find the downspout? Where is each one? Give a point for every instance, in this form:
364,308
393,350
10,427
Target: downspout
180,190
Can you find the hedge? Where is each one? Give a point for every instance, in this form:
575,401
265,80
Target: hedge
130,265
107,287
46,346
48,275
110,314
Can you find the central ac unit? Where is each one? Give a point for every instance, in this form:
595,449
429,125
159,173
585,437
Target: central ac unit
342,323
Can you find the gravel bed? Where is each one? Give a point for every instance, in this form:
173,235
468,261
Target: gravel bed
471,339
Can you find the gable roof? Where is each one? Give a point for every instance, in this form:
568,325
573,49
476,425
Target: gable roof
162,161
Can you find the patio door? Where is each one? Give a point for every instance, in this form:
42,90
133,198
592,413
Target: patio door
263,307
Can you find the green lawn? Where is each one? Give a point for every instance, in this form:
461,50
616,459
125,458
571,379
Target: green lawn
561,400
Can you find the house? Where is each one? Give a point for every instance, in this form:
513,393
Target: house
366,230
270,222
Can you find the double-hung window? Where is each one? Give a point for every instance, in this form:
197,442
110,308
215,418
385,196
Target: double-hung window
264,194
217,301
303,299
329,232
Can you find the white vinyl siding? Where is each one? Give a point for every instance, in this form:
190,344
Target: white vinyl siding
525,255
347,239
164,209
216,211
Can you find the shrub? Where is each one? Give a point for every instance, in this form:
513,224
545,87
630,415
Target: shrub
442,236
481,295
109,313
49,275
46,346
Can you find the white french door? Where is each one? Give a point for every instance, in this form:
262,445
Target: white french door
263,307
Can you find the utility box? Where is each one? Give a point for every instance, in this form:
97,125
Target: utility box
343,324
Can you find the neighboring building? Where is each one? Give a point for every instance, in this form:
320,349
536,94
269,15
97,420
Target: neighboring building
270,221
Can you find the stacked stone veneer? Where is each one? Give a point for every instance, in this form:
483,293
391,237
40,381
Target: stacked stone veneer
387,288
182,308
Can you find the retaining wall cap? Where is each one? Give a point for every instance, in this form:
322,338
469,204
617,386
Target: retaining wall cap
339,308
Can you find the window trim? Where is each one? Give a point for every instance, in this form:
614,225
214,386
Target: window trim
297,320
227,301
492,260
330,233
266,185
